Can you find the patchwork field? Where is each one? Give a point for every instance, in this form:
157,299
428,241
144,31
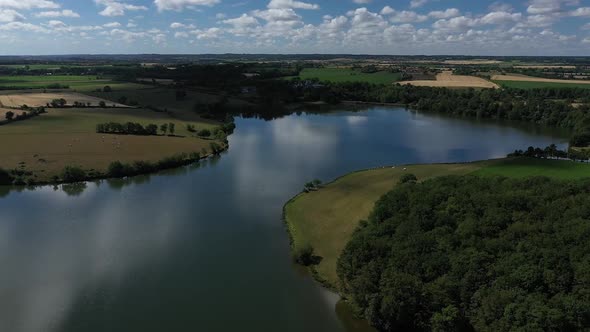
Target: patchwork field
35,99
47,143
529,82
448,80
75,82
338,75
326,219
165,98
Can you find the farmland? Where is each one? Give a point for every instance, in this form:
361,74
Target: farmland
32,99
448,80
529,82
67,137
339,75
76,82
326,219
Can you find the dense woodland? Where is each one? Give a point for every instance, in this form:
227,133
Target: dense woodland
471,253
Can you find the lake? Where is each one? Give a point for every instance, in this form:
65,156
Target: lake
203,247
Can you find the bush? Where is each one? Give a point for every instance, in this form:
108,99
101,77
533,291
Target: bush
118,170
408,178
204,133
5,178
73,174
304,255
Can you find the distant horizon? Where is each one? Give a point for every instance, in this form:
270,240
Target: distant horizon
294,54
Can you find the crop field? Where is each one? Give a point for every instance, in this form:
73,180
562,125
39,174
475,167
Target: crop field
448,80
32,99
529,82
165,98
77,82
67,137
326,219
338,75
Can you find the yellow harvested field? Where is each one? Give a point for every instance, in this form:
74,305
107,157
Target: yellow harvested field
36,99
3,112
448,80
472,62
523,78
545,67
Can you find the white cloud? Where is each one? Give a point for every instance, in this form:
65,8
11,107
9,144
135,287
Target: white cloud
417,3
448,13
537,7
20,26
112,25
177,25
286,4
117,8
581,12
57,13
211,33
387,10
10,15
178,5
28,4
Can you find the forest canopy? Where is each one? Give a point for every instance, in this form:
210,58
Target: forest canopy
470,253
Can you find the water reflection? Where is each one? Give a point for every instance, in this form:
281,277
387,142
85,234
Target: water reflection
204,245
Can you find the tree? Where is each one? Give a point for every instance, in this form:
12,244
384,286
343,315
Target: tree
9,115
164,128
73,174
171,128
102,104
107,88
408,178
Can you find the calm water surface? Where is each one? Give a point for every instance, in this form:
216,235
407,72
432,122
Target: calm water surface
203,248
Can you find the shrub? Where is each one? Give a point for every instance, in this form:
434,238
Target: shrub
73,174
408,178
304,255
5,178
118,170
204,133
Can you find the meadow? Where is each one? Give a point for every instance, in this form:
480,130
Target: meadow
529,82
45,144
327,218
338,75
74,82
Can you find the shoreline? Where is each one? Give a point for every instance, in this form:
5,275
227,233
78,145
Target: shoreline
104,176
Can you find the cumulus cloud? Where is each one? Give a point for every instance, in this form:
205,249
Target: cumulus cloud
417,3
117,8
178,5
285,4
28,4
58,13
10,15
537,7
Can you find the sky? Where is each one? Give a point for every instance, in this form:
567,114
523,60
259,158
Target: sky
400,27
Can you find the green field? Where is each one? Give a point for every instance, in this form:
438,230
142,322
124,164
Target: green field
540,85
45,144
165,98
326,219
75,82
338,75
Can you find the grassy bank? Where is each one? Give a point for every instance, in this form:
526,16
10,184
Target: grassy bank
326,219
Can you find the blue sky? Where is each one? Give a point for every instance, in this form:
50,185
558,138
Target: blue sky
529,27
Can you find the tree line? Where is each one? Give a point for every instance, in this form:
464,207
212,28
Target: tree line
134,128
473,254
